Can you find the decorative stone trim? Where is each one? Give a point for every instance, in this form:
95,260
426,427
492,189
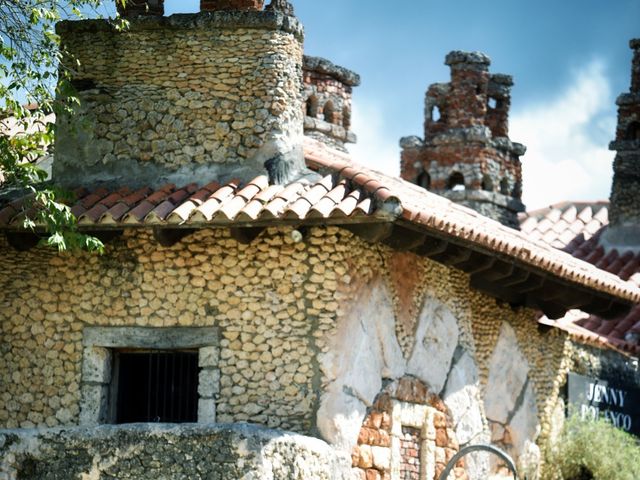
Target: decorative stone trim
99,342
420,417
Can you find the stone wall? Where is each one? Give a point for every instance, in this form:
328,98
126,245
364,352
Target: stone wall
167,452
175,98
309,334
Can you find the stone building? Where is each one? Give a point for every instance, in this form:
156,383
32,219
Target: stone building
267,307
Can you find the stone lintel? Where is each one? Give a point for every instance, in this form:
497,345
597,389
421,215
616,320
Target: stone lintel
151,338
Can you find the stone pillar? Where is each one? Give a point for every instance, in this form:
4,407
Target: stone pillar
467,104
214,5
134,8
498,104
624,213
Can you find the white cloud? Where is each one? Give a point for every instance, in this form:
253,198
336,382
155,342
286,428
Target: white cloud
375,148
567,142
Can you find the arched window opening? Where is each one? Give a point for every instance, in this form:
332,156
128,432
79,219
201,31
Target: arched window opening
424,180
456,182
487,183
494,103
312,106
633,131
435,114
346,118
517,190
329,112
504,186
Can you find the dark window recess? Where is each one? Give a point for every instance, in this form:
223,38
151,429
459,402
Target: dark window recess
156,386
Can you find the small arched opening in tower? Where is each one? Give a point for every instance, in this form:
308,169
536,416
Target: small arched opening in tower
487,183
424,180
494,103
329,112
435,114
633,131
346,118
312,106
504,186
456,182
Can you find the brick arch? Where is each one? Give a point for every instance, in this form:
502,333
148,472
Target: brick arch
407,434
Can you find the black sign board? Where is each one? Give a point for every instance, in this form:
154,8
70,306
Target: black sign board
593,398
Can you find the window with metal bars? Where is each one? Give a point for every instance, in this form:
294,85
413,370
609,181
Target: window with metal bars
155,386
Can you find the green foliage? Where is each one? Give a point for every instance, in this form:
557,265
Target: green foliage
32,73
593,450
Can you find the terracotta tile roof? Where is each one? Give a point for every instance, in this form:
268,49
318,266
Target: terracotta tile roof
256,201
577,228
561,224
436,213
352,195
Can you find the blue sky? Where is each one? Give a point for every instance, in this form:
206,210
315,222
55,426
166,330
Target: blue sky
569,58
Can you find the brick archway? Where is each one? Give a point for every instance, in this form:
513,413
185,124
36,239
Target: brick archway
407,434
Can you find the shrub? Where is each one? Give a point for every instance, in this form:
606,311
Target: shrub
593,450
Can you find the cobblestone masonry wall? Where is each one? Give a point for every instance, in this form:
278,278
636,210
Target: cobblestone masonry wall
167,453
276,303
175,95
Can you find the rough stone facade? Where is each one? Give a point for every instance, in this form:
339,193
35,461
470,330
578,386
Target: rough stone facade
175,98
466,154
624,212
328,91
144,452
296,352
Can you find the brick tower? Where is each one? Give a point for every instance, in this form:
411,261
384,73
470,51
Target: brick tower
466,154
624,213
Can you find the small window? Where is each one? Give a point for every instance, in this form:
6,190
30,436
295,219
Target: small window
329,112
424,180
493,103
456,182
155,386
504,186
487,183
312,106
435,114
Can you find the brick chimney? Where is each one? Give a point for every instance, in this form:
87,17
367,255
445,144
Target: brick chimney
212,95
134,8
328,90
466,154
624,213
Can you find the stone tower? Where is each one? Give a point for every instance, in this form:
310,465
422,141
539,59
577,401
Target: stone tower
466,154
215,94
328,91
624,213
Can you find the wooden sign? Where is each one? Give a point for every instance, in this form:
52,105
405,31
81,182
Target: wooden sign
593,398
